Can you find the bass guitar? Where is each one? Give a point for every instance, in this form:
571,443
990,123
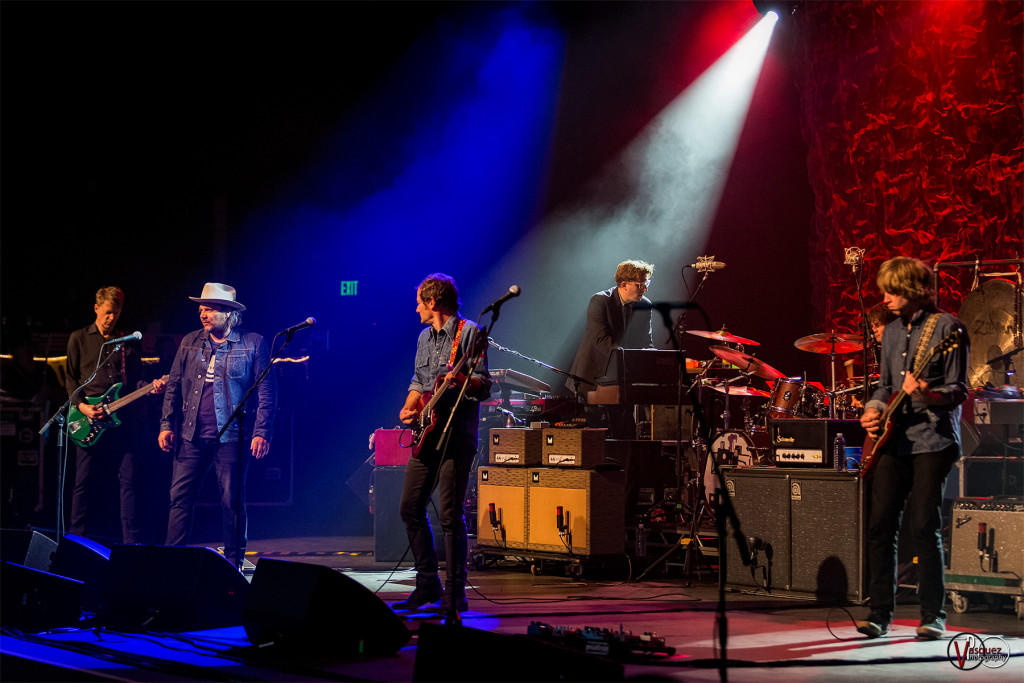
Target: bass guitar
86,432
428,415
873,447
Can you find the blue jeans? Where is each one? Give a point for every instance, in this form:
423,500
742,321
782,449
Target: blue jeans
191,464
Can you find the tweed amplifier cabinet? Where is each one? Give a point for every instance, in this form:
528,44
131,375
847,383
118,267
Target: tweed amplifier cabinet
805,529
515,446
573,447
593,511
808,442
987,545
504,488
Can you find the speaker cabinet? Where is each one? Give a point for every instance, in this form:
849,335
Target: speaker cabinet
88,562
760,497
828,556
593,511
999,567
814,522
33,600
309,608
27,548
389,538
171,588
505,488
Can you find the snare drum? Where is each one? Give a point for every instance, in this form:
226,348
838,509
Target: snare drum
786,397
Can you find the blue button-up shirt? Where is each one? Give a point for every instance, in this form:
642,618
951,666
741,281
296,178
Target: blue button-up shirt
433,350
237,364
920,428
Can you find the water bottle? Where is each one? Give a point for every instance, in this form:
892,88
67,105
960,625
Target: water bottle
839,453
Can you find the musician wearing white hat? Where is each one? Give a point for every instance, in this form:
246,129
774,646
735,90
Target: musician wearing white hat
213,369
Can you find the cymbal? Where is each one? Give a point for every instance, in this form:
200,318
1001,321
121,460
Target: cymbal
830,343
723,335
740,391
746,362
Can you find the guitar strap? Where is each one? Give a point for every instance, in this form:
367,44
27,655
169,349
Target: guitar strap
922,343
455,344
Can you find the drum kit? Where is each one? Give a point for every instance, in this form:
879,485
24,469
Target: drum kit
786,397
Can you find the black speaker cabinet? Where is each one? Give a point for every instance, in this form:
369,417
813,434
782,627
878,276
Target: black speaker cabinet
27,548
171,588
389,538
87,561
814,522
33,600
309,608
761,499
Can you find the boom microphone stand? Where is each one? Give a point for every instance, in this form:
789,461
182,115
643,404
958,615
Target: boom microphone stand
239,414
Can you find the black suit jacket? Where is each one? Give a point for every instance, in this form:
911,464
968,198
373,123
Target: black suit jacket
607,331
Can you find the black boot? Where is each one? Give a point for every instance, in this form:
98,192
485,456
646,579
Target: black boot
455,595
428,590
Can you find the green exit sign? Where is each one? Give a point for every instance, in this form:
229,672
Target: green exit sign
348,287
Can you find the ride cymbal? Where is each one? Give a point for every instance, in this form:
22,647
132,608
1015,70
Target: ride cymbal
724,335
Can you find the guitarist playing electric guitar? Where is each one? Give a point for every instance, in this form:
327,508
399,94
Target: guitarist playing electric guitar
111,464
914,415
443,356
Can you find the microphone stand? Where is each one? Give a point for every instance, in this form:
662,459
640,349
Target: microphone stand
63,420
576,379
858,280
239,414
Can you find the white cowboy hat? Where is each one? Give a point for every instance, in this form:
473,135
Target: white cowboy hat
216,294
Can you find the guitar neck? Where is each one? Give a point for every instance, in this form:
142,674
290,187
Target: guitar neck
138,393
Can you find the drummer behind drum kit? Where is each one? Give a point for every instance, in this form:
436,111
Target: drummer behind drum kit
789,397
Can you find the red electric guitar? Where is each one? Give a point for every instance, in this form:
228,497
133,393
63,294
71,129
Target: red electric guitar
873,447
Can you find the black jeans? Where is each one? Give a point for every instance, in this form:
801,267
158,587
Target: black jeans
450,476
191,464
109,463
922,478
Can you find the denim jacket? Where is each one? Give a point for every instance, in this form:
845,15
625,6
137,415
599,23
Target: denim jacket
239,361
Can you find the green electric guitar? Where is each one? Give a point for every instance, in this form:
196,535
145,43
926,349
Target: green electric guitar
86,432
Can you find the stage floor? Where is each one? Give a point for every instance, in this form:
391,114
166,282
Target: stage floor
785,636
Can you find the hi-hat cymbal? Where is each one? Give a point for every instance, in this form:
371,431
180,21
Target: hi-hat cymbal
740,391
724,335
830,342
746,362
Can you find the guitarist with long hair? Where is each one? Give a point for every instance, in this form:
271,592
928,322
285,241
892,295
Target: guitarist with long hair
447,343
913,418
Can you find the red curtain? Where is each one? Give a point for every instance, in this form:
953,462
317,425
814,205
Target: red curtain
912,114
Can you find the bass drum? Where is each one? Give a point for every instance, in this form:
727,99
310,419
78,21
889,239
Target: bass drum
738,449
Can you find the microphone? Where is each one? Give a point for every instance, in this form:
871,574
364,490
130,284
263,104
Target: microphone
982,529
492,515
512,292
559,518
308,322
853,256
128,337
705,264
